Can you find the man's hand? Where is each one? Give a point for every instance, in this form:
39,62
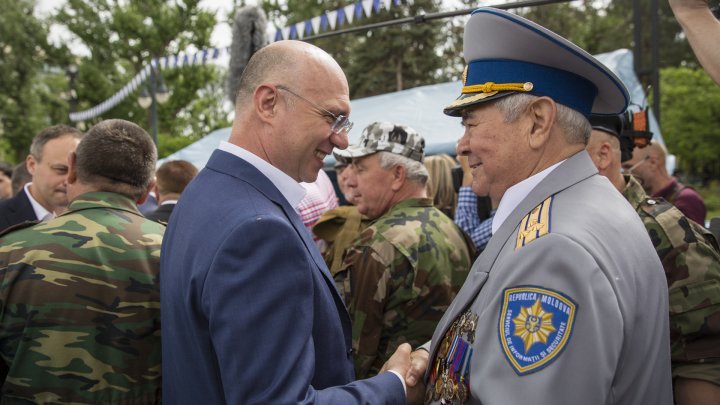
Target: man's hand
416,394
399,361
419,360
414,378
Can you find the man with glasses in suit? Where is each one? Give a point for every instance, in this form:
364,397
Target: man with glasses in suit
254,312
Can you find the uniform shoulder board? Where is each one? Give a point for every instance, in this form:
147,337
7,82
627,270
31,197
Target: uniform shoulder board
677,227
654,206
535,225
19,226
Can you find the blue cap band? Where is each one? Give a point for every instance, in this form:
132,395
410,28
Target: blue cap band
564,87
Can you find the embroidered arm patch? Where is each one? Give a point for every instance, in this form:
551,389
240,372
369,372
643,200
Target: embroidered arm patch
535,325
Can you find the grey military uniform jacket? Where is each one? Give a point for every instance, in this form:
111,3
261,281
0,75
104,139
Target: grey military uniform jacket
570,299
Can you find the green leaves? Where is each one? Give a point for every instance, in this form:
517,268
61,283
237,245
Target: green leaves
690,104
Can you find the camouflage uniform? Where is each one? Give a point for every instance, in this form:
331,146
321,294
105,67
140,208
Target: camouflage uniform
690,257
399,278
80,306
339,228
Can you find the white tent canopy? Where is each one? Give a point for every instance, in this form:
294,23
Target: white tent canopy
421,108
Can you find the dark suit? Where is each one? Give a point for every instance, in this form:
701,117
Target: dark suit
162,213
250,311
16,210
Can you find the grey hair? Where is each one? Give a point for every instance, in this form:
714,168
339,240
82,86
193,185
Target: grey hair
415,171
574,124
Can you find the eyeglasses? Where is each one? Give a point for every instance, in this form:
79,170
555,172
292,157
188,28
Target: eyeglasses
341,123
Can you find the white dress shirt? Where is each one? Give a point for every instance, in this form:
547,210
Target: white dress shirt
40,212
289,188
515,194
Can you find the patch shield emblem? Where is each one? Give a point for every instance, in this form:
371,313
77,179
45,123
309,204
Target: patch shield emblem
535,325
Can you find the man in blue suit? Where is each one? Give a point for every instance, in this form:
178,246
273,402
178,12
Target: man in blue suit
250,312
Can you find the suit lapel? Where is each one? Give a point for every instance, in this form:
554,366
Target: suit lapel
575,169
21,208
231,165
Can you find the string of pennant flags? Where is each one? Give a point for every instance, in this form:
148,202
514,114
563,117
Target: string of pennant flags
334,18
201,57
329,20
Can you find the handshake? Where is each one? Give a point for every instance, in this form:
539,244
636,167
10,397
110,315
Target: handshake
412,365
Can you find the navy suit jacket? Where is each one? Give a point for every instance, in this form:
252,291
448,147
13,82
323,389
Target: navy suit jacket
16,210
250,313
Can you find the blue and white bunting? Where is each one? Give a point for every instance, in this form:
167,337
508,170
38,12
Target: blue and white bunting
201,57
334,19
329,20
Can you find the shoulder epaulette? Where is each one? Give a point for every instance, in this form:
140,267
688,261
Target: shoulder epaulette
536,224
655,206
677,227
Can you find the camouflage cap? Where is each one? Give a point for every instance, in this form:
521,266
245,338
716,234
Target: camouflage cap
385,137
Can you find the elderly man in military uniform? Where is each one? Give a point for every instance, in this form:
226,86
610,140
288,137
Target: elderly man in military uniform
689,254
80,293
567,304
402,272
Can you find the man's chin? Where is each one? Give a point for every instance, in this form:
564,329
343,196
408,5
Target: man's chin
61,203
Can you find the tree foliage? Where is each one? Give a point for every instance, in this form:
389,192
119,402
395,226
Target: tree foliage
122,37
29,90
691,125
384,59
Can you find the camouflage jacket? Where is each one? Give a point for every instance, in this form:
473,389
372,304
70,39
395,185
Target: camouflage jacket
339,228
80,306
690,257
398,279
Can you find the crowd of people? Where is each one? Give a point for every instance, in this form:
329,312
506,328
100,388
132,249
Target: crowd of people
552,261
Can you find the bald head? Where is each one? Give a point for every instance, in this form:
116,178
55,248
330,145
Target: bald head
653,151
648,166
282,62
291,97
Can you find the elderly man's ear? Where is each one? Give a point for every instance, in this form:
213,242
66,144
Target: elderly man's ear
399,175
542,113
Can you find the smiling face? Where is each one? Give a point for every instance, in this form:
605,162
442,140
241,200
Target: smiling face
495,150
372,186
306,135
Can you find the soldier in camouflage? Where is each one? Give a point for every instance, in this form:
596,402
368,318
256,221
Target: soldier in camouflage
340,226
402,272
691,260
79,294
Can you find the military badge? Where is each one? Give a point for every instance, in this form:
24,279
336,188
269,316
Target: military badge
535,225
535,325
